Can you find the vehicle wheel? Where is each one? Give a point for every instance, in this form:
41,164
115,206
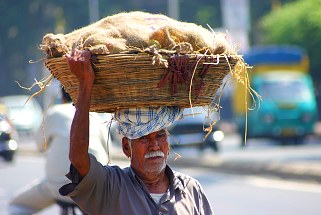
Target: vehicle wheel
291,141
284,141
298,140
242,144
202,146
241,132
8,156
213,146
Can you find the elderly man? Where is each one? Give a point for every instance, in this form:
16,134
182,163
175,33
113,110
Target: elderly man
148,186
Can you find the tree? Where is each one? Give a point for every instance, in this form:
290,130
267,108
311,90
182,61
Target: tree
258,9
23,24
297,23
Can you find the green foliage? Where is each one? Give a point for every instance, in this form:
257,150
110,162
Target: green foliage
296,23
201,12
23,24
258,9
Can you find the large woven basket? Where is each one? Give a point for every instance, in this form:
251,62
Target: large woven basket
130,80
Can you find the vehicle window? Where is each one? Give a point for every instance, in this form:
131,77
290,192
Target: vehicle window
295,90
186,129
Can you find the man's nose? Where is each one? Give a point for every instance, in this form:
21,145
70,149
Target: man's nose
153,144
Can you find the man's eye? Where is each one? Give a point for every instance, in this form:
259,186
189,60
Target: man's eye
163,134
143,138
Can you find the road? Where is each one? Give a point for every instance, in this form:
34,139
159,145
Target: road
228,194
247,195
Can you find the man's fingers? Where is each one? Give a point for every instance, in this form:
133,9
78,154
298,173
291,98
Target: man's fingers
82,58
85,55
78,56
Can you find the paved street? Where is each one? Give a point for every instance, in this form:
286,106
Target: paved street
261,157
229,194
250,176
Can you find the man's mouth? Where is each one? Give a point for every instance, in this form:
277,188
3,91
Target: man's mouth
155,154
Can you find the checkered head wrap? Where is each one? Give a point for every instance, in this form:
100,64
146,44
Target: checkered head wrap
137,122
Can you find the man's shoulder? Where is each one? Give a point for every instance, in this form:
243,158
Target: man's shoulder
185,180
110,167
183,176
117,168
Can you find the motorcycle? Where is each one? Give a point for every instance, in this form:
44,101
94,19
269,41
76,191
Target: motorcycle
8,144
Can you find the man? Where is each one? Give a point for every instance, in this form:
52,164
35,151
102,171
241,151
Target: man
148,186
53,139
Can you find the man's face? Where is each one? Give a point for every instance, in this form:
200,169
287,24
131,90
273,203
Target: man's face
149,153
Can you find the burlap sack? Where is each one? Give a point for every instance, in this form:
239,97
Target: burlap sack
121,32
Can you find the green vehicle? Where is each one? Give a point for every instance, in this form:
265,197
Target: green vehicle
288,110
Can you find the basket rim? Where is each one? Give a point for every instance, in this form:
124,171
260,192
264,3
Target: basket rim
148,54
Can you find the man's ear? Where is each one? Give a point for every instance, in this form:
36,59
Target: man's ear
126,147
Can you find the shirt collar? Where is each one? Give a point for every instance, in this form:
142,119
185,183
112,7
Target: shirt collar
175,181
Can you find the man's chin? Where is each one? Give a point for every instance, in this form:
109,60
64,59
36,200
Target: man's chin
156,168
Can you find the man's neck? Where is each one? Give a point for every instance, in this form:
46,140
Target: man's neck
155,182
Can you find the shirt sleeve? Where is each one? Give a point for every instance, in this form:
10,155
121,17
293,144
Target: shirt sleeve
86,190
205,207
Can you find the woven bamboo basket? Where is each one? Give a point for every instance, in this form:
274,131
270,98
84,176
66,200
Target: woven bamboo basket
130,80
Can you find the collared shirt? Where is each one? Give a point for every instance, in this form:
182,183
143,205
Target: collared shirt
112,190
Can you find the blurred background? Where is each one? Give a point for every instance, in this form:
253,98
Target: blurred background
261,161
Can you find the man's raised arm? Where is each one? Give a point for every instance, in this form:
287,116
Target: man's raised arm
80,64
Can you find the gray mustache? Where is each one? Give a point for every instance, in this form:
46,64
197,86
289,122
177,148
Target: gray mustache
154,154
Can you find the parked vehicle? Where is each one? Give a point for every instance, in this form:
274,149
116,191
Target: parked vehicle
8,137
288,110
26,115
189,131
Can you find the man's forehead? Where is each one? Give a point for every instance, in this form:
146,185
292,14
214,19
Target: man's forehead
156,132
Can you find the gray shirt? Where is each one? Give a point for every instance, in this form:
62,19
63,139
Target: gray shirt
112,190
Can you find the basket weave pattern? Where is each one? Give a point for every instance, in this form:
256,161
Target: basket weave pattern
130,80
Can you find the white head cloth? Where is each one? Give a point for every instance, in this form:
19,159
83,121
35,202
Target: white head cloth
137,122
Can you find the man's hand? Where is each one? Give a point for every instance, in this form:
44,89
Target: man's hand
80,65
